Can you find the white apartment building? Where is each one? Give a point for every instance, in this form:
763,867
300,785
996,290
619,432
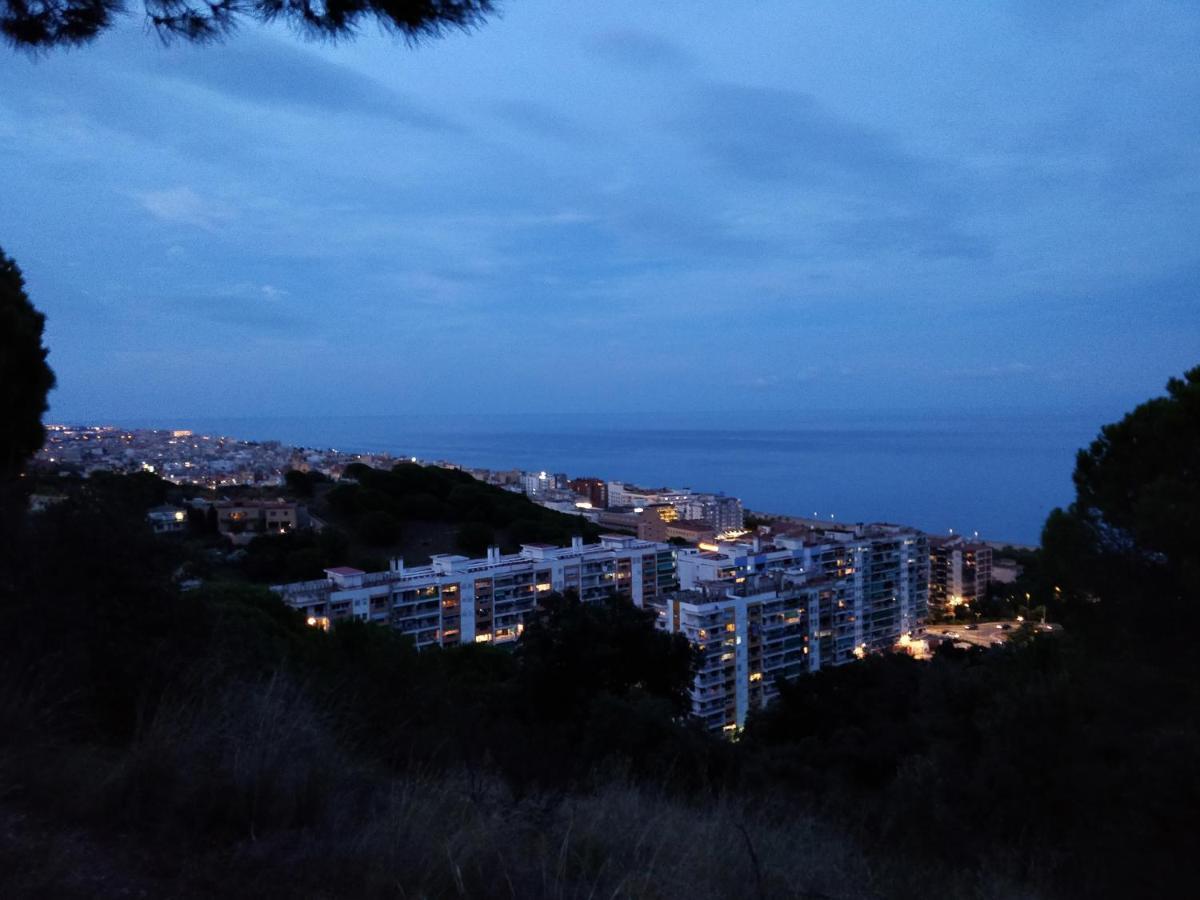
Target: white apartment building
622,494
536,483
722,513
718,511
757,613
457,600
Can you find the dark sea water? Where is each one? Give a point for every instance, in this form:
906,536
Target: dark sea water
998,475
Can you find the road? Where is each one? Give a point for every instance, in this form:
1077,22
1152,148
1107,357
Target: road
983,634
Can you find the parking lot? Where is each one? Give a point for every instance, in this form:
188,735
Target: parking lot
985,634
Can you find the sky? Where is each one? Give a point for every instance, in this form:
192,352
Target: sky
682,205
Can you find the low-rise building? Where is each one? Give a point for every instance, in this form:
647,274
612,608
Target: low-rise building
694,532
251,517
456,600
621,493
167,519
724,514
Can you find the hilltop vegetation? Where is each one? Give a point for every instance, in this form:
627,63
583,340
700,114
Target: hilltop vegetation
379,506
411,512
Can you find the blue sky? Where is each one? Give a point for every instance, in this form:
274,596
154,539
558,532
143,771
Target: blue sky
618,206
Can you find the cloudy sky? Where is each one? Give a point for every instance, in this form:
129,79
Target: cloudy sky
619,206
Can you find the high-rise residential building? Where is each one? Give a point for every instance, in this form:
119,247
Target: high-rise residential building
536,483
456,600
758,613
959,572
724,514
593,490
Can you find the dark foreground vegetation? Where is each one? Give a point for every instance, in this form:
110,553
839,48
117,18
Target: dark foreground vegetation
197,743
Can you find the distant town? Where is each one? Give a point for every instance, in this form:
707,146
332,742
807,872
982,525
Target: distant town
761,596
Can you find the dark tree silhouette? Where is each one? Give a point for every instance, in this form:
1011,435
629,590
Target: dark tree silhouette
43,24
1137,496
25,377
1141,477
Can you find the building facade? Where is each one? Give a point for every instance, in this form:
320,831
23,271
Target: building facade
456,600
723,514
622,494
241,521
167,520
593,490
759,613
959,572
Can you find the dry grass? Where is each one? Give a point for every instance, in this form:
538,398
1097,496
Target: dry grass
247,793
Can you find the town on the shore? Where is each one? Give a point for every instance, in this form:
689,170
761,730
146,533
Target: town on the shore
762,597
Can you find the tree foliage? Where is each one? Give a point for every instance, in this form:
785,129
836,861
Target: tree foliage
25,376
44,24
1137,506
410,493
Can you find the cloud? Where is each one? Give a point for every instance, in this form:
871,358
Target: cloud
863,190
271,74
182,205
639,50
257,307
539,120
774,134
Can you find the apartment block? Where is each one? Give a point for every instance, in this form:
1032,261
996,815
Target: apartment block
757,613
723,514
593,490
959,572
622,494
457,600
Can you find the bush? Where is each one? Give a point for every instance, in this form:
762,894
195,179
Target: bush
474,538
378,528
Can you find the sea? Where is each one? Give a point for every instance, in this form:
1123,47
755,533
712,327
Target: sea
997,476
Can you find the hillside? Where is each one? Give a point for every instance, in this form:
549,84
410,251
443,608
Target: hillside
411,511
